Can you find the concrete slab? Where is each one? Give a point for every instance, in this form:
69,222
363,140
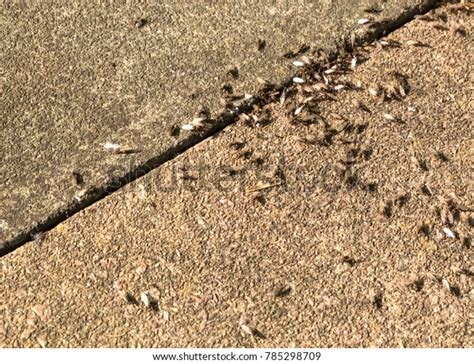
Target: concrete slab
348,225
76,76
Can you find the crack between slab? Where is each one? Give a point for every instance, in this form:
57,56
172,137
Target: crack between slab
347,43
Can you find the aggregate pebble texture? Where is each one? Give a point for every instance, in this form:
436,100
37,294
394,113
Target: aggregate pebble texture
77,75
347,225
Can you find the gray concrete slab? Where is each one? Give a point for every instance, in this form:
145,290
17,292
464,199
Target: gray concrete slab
272,234
78,75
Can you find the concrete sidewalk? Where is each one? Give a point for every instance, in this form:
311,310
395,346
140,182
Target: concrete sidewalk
348,224
77,76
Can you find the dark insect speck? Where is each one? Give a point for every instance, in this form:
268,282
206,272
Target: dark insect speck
140,23
423,165
282,291
351,180
367,153
174,131
461,31
470,221
246,154
426,190
204,111
303,49
349,260
361,128
378,300
373,9
402,200
425,230
78,178
260,199
227,87
387,210
442,157
130,299
371,187
419,284
258,334
467,243
455,290
231,171
234,72
237,145
328,138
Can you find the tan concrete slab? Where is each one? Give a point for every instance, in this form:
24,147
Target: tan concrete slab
362,238
78,75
